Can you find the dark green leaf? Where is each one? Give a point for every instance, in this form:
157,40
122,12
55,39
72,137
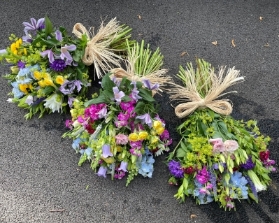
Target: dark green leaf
48,26
146,94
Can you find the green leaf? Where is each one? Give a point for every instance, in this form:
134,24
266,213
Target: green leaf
146,94
48,26
180,153
48,90
107,83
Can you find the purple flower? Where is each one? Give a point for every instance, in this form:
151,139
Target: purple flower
49,54
34,25
175,169
68,87
58,65
70,101
58,35
68,123
106,151
165,135
117,94
20,64
136,144
249,165
123,117
120,124
102,113
146,119
135,93
123,166
202,176
102,172
65,53
150,86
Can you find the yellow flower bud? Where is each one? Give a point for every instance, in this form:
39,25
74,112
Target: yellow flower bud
48,82
133,137
143,135
157,124
15,52
25,51
160,130
37,75
59,80
13,47
41,83
23,88
45,75
109,160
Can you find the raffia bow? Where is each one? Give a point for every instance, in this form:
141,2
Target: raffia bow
97,51
194,100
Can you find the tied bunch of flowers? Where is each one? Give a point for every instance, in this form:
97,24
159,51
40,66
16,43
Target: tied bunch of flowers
119,131
49,68
47,72
218,158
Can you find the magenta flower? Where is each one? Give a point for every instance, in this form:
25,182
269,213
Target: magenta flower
49,54
123,117
121,139
106,151
123,166
120,124
126,105
102,172
117,94
68,123
65,55
203,176
136,144
146,119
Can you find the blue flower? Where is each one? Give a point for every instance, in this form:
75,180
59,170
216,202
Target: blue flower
17,93
76,143
145,165
238,184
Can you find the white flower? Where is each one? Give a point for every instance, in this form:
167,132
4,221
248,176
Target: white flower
258,184
29,100
53,102
10,100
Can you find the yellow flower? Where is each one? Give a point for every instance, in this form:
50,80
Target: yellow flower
37,75
109,160
133,137
13,47
59,80
17,43
143,135
48,82
41,83
160,130
24,87
25,51
154,140
157,124
45,75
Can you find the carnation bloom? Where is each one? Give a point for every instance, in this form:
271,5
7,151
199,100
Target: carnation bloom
53,103
121,139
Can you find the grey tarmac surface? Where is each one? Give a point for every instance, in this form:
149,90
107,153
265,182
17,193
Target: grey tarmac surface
38,169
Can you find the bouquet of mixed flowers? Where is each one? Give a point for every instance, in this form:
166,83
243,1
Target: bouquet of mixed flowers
119,131
218,158
47,65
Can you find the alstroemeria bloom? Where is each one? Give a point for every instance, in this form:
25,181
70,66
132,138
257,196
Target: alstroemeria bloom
146,119
106,151
102,171
65,53
49,54
34,25
117,94
150,86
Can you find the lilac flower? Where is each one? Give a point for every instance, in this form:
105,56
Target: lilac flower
68,87
135,93
34,25
125,105
49,54
146,119
65,53
117,94
58,35
58,65
3,51
106,151
102,172
70,101
123,166
175,169
102,113
149,85
249,164
20,64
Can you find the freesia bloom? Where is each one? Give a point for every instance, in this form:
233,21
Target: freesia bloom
49,54
53,103
121,139
146,119
106,151
102,172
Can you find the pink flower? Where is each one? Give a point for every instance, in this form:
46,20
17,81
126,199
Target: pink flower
218,145
121,139
230,146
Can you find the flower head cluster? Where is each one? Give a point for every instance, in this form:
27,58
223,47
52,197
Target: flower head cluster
47,72
123,129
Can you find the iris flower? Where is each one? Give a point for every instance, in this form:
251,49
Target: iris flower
34,25
117,94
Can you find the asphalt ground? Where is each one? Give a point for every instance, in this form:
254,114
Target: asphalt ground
38,169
